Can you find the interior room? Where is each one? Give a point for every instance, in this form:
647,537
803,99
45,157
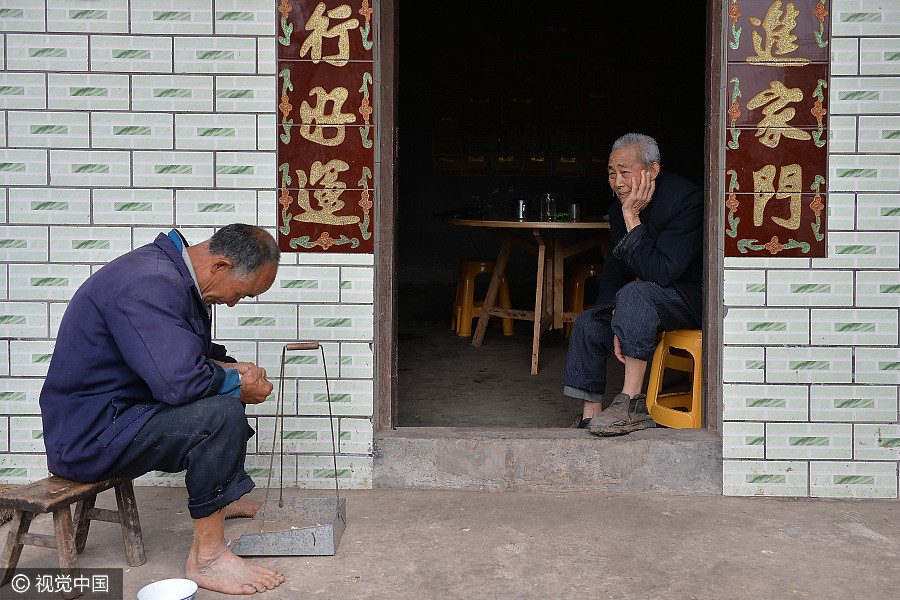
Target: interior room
505,101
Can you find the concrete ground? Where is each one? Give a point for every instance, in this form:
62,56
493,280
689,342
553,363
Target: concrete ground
415,544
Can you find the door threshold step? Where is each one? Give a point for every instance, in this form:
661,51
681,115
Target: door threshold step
660,460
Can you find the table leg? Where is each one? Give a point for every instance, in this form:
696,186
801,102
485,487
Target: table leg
539,301
491,297
557,284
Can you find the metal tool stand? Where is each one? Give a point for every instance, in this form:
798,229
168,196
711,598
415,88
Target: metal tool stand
296,526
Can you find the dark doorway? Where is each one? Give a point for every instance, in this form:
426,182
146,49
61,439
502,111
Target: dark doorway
506,100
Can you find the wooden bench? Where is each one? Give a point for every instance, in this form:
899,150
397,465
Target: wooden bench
55,494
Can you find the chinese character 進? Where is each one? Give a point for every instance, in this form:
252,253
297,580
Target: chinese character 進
789,186
318,25
775,124
778,34
314,119
328,199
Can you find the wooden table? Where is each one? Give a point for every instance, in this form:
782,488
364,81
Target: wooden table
548,312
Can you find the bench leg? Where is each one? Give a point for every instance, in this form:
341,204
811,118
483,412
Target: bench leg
83,521
13,549
131,525
65,546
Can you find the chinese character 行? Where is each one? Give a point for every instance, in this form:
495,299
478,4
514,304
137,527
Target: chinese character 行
778,34
775,124
314,120
789,186
318,25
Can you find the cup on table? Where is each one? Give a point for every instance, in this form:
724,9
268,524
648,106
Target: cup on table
574,212
548,208
520,209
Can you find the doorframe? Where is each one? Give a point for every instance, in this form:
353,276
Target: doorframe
386,227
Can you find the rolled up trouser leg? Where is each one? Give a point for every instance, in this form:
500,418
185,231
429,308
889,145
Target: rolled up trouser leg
207,438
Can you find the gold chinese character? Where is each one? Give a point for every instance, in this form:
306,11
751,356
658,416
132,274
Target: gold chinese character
314,119
778,34
789,186
328,199
318,25
775,124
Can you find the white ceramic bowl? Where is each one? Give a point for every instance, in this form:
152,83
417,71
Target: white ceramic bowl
169,589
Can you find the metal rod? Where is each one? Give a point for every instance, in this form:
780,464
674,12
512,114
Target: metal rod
337,491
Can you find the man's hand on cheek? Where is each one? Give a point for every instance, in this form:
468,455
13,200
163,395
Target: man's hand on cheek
641,193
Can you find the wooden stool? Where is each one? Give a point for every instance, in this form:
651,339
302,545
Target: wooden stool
465,307
578,275
55,494
681,350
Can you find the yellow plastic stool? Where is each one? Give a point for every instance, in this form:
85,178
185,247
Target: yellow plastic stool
575,292
465,307
681,350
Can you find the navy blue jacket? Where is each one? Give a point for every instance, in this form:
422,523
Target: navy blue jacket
666,248
135,337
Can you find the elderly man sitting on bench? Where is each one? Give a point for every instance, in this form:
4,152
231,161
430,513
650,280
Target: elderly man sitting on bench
136,385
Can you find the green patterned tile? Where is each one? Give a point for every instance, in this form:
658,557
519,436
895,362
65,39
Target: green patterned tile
97,16
215,132
87,91
765,478
852,327
180,17
215,207
765,403
809,441
133,206
809,365
29,358
23,16
252,320
131,54
37,52
809,288
178,93
299,435
215,55
132,130
20,396
88,244
349,397
869,95
879,211
357,285
45,281
878,288
743,440
853,403
357,360
90,168
20,243
766,326
22,91
23,320
244,17
253,170
54,205
877,365
853,480
245,94
860,250
864,18
743,364
26,434
22,468
317,472
876,442
173,169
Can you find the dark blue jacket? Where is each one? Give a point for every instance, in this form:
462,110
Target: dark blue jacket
135,337
666,248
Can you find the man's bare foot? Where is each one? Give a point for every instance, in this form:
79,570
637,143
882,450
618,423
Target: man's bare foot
242,507
231,574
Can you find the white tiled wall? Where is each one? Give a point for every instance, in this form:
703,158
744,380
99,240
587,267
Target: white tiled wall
812,364
121,120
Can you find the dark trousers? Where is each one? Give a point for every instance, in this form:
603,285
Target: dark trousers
643,309
207,438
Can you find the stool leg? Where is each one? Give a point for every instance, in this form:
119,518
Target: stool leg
83,521
65,546
508,326
131,525
13,549
466,301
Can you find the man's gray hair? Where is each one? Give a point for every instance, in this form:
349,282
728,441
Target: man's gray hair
249,247
647,148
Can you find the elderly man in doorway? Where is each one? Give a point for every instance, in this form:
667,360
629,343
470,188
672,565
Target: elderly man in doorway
136,385
651,283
